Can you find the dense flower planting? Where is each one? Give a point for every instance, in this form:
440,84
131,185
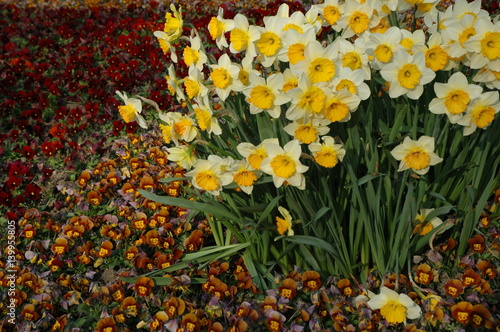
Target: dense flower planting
83,250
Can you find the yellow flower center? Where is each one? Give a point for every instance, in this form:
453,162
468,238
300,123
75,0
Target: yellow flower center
296,53
167,133
321,70
359,22
107,329
269,43
326,157
243,76
478,320
285,292
207,180
203,117
245,178
490,45
466,34
291,84
192,87
394,312
336,111
255,159
142,290
127,112
262,97
425,7
165,47
221,78
483,116
215,28
294,27
283,166
415,2
452,291
463,317
409,76
181,126
417,159
407,43
239,39
190,56
306,133
436,58
274,326
348,85
311,284
283,225
352,60
383,53
313,99
331,14
456,101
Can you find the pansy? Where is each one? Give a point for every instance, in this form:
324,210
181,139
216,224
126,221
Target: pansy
418,155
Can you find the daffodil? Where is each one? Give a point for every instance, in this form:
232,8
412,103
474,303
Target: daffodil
264,94
436,57
284,165
413,42
270,41
485,45
290,80
407,75
209,174
255,154
132,110
357,18
243,36
296,44
173,24
194,83
331,11
425,226
244,175
395,308
383,46
352,81
489,77
308,131
453,97
225,77
354,56
181,127
339,105
217,28
284,224
481,112
193,55
319,64
174,84
306,99
183,155
457,34
417,155
205,117
327,154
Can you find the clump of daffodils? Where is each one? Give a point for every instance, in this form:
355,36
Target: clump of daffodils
299,84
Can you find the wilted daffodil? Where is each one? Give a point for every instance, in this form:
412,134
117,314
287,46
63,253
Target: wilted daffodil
395,308
132,109
417,155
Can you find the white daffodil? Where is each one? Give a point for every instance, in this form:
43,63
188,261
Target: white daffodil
225,77
296,44
194,83
327,154
436,56
308,131
417,155
178,127
339,105
264,94
413,42
193,55
209,174
183,155
354,56
453,97
485,45
425,226
357,18
352,81
174,84
384,46
205,117
244,175
407,75
132,110
331,11
217,28
243,36
319,64
284,165
489,77
270,41
481,112
254,154
306,99
395,308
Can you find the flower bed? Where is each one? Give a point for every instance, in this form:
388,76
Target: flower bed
88,252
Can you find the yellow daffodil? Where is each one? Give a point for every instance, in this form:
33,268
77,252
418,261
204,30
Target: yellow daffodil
407,75
417,155
244,175
194,83
436,57
481,112
132,110
255,154
383,46
264,94
395,308
205,117
340,104
319,64
327,154
331,11
270,41
209,174
357,18
173,24
181,127
193,55
453,97
306,99
284,165
284,224
174,84
352,81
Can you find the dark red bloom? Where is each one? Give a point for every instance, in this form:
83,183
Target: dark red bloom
28,152
32,192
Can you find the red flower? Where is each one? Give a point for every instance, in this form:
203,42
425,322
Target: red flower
32,192
28,152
